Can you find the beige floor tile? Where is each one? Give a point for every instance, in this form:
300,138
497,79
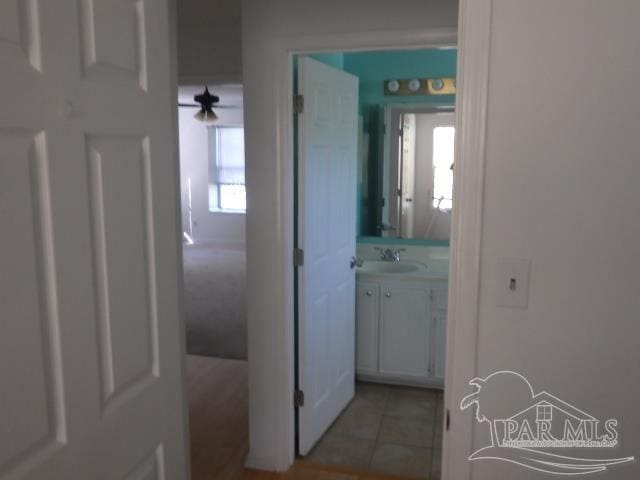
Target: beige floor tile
372,395
437,435
439,421
413,431
337,449
436,462
358,421
387,430
411,403
439,403
401,460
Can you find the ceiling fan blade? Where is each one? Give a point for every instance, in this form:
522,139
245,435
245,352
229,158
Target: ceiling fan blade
197,105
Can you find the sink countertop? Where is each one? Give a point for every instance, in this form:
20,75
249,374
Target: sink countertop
421,273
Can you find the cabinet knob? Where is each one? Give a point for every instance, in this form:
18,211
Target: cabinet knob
369,293
387,294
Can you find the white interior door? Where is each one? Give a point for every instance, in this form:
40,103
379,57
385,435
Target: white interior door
328,137
90,355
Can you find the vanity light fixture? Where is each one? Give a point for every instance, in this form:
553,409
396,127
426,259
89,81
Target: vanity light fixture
420,86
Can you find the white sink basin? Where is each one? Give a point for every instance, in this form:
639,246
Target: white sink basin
388,267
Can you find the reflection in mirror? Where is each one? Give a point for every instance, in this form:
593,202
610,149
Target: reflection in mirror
415,196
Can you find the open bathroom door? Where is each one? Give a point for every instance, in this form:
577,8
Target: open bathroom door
327,161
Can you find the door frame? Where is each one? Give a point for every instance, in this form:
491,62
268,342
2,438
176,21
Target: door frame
271,375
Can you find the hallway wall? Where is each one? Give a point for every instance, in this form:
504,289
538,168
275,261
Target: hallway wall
209,41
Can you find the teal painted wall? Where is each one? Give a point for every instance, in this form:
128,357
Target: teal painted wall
333,59
373,68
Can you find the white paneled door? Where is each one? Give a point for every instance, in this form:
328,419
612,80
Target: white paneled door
90,355
327,143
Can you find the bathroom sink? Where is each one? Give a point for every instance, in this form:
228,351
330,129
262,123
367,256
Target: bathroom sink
388,267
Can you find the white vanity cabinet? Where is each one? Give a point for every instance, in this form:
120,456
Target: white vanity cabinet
400,331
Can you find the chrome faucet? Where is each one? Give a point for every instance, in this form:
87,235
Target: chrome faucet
383,227
389,255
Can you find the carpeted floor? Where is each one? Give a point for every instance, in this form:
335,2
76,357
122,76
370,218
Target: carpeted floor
215,300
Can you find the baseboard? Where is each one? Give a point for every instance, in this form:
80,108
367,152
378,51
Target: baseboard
399,380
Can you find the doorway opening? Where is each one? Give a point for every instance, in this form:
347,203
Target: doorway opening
374,148
213,202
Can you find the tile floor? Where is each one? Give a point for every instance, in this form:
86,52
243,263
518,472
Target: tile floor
387,429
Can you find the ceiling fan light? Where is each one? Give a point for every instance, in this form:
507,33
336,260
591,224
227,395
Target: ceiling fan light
206,115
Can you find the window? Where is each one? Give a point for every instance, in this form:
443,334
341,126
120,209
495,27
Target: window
544,412
443,155
226,170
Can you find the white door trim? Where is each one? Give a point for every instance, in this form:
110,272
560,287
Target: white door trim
173,66
272,444
466,230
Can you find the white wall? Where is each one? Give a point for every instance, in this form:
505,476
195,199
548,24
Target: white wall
209,41
562,178
268,24
194,165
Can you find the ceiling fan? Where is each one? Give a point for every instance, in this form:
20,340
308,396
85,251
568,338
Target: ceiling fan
205,102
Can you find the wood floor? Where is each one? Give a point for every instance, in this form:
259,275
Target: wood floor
219,428
303,470
218,417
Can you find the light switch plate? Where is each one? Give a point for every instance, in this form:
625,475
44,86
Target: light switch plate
512,282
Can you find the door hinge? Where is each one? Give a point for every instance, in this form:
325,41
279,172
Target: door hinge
298,398
298,103
298,257
448,420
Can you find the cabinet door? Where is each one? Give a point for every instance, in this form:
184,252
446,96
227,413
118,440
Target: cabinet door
367,313
404,332
439,331
439,345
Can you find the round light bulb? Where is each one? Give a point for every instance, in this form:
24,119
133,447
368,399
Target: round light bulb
393,86
437,84
414,85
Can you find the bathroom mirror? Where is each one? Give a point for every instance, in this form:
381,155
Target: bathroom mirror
410,189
